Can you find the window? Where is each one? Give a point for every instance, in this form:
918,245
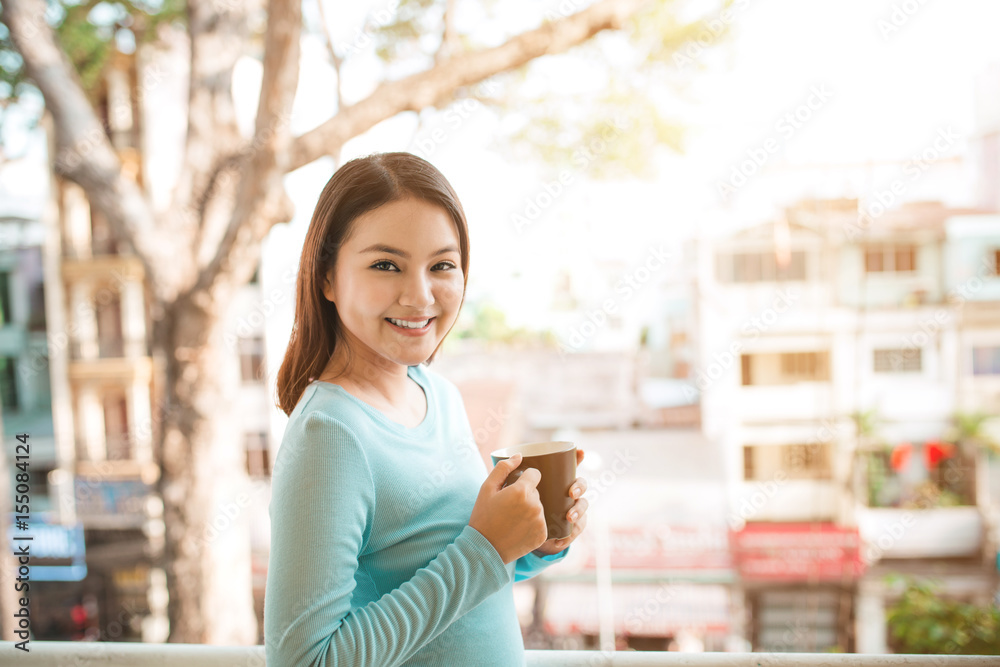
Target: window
39,481
885,258
906,258
252,367
986,360
258,460
785,368
111,341
903,360
6,316
800,365
8,384
795,461
873,260
807,461
36,314
116,430
748,267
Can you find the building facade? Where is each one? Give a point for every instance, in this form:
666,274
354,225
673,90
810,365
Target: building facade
835,345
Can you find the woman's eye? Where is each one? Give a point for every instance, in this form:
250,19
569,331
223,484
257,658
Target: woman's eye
386,265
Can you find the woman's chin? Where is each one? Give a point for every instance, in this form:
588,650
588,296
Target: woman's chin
414,358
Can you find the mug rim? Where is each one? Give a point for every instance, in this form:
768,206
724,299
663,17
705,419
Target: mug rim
540,448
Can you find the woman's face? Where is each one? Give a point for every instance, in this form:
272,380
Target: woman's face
401,262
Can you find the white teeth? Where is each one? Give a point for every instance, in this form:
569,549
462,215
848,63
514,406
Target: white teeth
409,325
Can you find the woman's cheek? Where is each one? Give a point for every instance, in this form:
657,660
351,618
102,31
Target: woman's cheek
451,292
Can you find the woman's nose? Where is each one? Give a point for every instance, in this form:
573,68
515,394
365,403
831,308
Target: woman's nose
417,291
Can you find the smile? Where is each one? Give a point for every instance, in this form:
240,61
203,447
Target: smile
415,327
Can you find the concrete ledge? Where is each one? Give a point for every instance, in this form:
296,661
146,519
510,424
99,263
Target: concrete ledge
125,654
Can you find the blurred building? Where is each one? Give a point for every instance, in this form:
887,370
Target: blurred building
833,349
104,387
58,553
25,391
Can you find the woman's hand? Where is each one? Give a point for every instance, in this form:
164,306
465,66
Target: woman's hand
577,516
511,518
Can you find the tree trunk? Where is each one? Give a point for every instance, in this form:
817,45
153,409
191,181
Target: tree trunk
204,485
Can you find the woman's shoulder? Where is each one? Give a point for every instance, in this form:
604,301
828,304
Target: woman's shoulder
320,425
323,407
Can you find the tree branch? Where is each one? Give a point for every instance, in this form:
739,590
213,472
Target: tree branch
429,87
449,38
217,33
200,207
334,58
83,152
261,200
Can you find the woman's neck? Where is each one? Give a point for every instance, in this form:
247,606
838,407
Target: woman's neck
385,380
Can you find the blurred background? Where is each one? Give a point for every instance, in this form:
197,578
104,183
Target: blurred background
745,254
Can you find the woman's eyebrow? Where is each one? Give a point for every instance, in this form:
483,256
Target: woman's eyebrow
380,247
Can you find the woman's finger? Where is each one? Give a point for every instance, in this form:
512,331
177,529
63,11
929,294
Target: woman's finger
578,509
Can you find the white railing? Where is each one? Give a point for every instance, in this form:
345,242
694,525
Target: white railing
123,654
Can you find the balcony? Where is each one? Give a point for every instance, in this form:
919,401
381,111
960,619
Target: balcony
940,532
111,369
120,654
805,400
787,500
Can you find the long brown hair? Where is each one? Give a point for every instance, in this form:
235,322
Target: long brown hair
359,186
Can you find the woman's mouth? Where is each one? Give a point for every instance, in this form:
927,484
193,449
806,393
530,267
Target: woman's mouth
416,327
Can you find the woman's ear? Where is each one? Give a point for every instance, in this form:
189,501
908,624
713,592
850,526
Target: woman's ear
328,285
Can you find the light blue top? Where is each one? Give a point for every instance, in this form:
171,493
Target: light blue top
373,561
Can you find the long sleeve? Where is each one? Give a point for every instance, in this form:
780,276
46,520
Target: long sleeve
322,511
530,565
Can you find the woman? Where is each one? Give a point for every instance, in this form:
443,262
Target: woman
387,545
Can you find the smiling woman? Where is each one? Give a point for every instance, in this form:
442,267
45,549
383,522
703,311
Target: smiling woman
363,570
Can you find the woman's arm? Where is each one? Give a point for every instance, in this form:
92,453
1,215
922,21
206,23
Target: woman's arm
322,508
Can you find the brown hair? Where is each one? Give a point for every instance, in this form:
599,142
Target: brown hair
359,186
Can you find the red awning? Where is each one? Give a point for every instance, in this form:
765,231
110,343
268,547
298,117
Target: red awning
798,552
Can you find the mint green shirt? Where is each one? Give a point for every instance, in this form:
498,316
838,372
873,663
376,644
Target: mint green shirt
373,561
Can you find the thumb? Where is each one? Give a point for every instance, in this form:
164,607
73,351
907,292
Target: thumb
502,469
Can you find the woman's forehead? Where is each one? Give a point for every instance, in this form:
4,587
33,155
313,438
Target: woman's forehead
404,225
